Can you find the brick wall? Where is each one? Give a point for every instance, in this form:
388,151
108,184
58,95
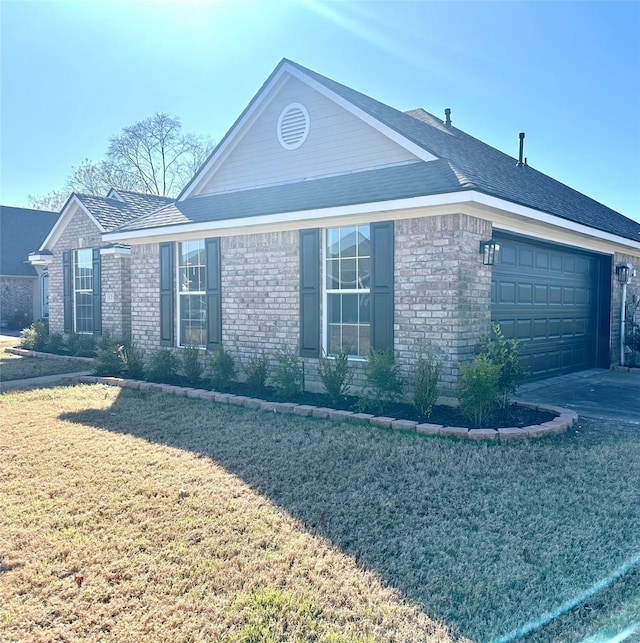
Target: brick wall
17,298
633,290
116,295
442,291
145,296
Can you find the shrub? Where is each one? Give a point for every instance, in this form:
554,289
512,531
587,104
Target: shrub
335,376
109,357
383,385
19,320
425,393
81,345
55,344
133,361
478,391
162,366
503,352
34,338
288,375
191,365
222,369
257,371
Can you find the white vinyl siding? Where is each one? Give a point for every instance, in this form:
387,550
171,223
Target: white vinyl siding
337,142
192,311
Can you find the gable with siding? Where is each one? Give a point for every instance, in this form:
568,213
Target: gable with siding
338,142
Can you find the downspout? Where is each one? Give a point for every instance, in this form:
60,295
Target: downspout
623,322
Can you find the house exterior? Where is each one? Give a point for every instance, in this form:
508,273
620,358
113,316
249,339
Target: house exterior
23,287
325,221
90,278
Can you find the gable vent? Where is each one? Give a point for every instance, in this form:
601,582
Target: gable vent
293,126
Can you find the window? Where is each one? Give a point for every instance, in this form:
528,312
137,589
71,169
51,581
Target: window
347,290
83,291
192,308
44,295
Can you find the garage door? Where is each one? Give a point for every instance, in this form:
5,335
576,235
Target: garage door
546,296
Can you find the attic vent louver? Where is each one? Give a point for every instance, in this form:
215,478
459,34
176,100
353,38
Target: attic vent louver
293,126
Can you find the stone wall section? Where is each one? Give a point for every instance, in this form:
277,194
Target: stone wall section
442,292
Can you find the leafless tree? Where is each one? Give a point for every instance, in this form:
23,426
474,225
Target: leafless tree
151,156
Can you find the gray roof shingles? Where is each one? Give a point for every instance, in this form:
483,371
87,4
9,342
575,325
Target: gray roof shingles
22,230
463,163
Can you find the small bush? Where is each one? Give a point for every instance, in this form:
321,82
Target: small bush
383,385
55,344
109,357
162,367
425,393
133,361
256,372
34,338
503,352
191,365
222,369
288,375
19,321
335,376
81,345
478,391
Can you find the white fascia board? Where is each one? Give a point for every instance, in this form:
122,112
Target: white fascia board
467,200
39,259
233,136
390,133
67,212
116,251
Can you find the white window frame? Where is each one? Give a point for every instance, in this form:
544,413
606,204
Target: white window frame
189,293
328,291
86,252
44,294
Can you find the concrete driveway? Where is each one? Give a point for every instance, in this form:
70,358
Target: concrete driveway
597,393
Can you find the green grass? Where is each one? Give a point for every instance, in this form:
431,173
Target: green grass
17,367
486,538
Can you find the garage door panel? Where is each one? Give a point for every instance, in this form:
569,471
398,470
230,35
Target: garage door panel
546,296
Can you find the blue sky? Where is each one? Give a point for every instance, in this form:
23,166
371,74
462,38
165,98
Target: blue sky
566,73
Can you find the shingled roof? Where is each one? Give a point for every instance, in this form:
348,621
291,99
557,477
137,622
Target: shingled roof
464,163
21,231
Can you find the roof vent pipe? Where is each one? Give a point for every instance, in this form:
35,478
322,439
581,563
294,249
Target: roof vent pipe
521,149
447,117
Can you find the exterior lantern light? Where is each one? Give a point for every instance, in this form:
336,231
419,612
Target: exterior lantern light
624,272
488,250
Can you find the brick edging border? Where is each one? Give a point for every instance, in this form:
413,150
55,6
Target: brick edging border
41,355
564,420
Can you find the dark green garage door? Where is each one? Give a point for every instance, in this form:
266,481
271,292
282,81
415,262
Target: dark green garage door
549,297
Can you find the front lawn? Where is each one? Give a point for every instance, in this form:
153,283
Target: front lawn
17,367
297,529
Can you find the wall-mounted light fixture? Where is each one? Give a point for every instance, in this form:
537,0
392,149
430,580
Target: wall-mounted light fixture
488,250
624,272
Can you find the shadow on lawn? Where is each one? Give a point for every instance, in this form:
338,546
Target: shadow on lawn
487,537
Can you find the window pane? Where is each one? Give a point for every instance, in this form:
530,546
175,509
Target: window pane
350,339
335,343
364,340
349,309
192,320
348,273
191,266
333,274
364,309
364,273
348,241
333,243
364,241
84,312
333,306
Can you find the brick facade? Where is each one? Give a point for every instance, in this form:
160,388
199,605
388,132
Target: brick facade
145,296
18,298
116,294
633,290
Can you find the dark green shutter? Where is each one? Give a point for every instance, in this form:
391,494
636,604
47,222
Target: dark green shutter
310,293
67,291
382,286
167,305
214,293
97,293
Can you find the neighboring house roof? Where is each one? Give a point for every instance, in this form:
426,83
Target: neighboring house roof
464,163
21,231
